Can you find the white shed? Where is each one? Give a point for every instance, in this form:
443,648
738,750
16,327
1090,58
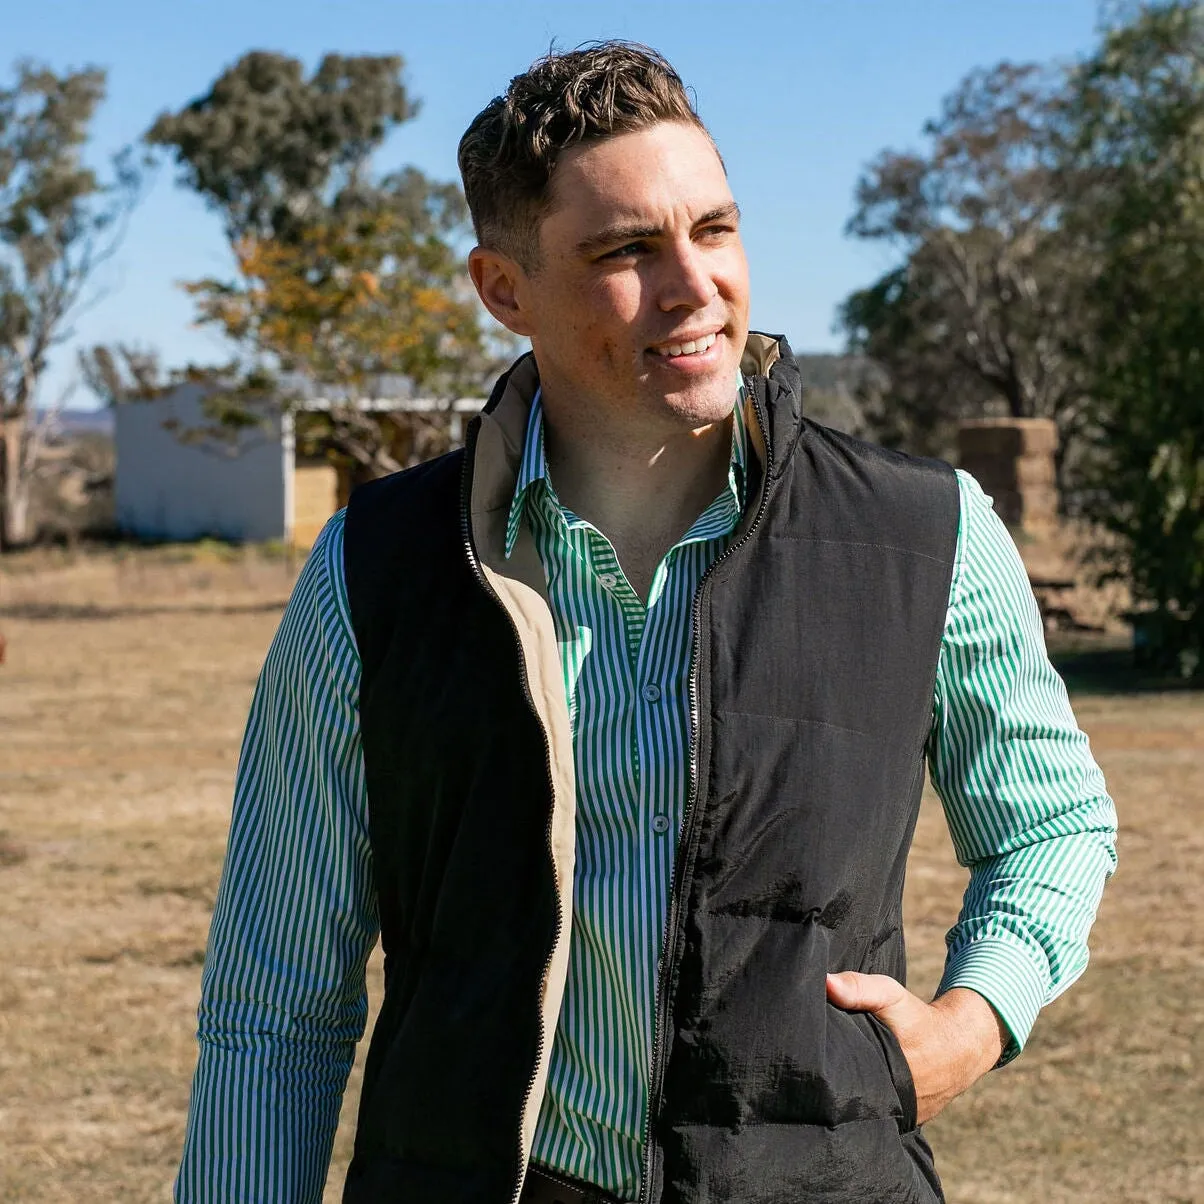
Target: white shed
167,488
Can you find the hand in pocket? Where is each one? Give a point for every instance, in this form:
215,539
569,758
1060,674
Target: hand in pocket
949,1044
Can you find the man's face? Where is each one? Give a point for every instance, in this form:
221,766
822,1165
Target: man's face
640,254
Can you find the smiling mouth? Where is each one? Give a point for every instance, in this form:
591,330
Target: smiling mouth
693,347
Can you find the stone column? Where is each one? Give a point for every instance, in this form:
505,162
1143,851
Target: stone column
1013,460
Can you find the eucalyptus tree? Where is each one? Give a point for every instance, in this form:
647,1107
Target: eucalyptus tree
58,222
347,280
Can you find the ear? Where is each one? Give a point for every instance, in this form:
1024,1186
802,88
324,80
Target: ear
503,287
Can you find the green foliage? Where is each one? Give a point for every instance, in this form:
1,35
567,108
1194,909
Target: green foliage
1138,107
123,372
345,279
1051,243
975,317
271,150
58,222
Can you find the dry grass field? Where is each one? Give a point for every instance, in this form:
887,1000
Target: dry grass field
121,708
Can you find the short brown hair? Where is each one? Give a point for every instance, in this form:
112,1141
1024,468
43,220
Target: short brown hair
509,153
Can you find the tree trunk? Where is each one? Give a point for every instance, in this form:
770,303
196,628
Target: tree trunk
14,487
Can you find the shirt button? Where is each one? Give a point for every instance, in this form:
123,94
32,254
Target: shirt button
607,580
660,824
651,693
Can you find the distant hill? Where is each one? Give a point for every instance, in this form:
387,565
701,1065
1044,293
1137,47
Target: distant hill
86,422
832,382
825,372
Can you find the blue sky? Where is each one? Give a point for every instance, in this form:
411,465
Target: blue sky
799,95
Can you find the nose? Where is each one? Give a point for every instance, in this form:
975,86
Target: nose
686,281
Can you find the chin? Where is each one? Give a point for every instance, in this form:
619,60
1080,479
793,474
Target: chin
702,404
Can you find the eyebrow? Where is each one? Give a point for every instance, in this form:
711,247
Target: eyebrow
625,232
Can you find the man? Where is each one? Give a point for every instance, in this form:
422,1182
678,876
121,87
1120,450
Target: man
616,724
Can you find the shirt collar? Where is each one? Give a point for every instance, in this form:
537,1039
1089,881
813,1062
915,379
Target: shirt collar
533,467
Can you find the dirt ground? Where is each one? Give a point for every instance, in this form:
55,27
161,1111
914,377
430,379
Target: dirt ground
121,709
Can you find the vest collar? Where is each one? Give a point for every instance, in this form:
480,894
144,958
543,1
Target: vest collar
502,436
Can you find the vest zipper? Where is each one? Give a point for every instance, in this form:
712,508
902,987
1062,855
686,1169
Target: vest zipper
689,824
524,681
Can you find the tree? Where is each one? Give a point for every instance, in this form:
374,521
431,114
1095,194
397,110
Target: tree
1138,111
58,222
123,373
976,317
364,297
272,151
920,387
346,282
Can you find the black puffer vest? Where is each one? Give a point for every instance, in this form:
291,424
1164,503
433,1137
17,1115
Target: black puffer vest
816,637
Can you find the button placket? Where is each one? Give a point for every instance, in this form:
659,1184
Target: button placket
609,575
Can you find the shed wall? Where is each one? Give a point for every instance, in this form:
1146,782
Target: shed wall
167,489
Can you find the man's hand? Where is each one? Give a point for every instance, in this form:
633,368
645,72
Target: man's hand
949,1043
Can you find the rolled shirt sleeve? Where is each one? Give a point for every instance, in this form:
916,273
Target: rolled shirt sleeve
283,999
1025,802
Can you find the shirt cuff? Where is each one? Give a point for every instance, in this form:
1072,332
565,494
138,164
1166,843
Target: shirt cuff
1004,974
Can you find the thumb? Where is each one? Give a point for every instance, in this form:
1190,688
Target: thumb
864,992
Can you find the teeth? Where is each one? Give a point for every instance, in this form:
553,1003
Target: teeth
691,348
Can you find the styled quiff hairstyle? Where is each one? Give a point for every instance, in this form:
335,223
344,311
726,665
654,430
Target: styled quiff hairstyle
509,153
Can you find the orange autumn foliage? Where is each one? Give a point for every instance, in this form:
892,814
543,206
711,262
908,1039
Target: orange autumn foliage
349,300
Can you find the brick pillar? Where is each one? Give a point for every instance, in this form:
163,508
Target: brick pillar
1013,460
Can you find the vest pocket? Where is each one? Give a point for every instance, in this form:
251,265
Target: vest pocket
900,1071
865,1060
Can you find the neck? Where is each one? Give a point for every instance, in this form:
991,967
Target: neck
642,489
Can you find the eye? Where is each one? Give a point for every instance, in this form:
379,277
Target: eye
627,249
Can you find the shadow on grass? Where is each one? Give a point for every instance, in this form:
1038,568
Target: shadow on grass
1107,666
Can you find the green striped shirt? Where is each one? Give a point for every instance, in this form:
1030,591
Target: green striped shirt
283,1000
626,673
